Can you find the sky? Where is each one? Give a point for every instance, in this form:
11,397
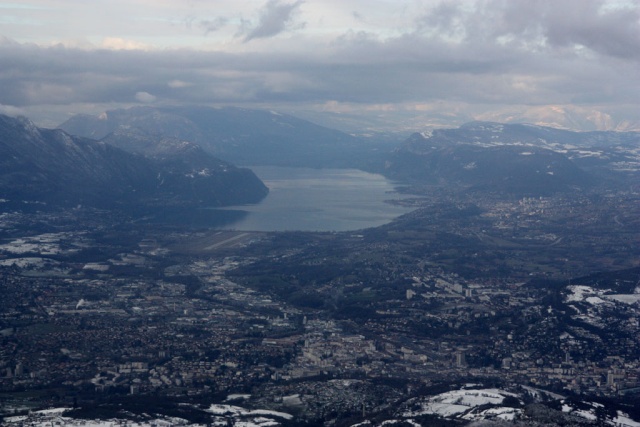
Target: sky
378,64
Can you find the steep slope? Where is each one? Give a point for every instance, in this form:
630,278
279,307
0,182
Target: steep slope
54,167
219,182
49,165
241,136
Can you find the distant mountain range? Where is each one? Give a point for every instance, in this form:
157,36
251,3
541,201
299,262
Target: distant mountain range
241,136
166,156
54,167
516,158
395,122
564,117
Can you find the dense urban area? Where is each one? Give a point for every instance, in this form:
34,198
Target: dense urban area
323,326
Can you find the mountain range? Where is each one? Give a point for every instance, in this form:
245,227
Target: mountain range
516,157
238,135
57,168
564,117
567,117
171,156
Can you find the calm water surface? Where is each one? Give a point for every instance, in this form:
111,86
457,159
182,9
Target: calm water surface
304,199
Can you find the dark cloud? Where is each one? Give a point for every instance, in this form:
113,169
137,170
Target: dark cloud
274,19
489,53
358,69
567,26
613,32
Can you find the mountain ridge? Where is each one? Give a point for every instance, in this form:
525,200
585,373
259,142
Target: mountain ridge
53,166
516,157
241,136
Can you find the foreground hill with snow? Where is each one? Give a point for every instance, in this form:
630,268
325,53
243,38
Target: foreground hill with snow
471,404
217,415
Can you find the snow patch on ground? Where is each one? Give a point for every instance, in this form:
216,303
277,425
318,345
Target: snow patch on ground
29,262
623,420
55,417
237,397
96,266
595,300
44,244
239,411
500,413
222,415
463,402
624,298
578,293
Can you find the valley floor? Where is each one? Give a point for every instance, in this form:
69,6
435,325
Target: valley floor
534,301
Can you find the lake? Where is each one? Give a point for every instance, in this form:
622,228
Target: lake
304,199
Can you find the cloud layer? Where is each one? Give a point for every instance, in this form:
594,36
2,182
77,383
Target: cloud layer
431,59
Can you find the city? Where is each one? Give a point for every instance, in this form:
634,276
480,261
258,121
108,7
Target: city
323,325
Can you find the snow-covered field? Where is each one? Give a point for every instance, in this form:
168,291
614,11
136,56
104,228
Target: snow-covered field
239,411
625,298
55,417
580,293
44,244
589,413
464,403
489,405
29,262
